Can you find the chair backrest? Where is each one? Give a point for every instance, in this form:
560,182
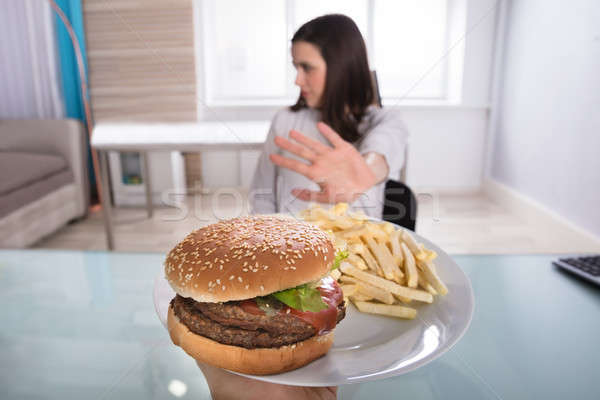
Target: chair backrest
400,205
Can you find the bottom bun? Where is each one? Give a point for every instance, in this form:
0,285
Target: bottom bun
261,361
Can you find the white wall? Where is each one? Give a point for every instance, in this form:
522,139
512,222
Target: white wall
547,140
445,148
447,141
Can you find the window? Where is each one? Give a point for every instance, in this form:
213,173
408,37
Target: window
245,47
409,37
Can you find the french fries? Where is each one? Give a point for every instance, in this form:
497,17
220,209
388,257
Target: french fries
384,309
346,279
432,277
371,263
355,232
427,286
375,293
389,286
386,262
360,297
411,243
396,249
411,267
358,262
349,290
386,267
340,209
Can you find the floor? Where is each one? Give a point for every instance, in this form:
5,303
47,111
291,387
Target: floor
459,224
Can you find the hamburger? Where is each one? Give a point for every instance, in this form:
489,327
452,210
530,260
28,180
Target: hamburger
253,294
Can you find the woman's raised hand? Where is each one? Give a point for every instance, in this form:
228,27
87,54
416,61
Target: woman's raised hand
340,170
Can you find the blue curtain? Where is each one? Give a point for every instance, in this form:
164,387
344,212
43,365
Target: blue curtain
69,70
71,84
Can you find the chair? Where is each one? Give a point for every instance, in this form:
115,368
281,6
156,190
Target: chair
400,203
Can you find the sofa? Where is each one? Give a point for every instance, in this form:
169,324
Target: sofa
43,178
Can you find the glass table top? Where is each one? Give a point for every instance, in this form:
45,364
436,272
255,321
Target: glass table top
83,325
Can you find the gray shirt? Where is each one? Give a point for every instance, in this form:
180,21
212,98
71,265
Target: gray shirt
383,132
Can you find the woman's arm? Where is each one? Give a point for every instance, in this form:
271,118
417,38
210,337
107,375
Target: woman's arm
387,138
378,165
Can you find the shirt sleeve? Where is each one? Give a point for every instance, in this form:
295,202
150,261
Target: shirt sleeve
387,136
262,194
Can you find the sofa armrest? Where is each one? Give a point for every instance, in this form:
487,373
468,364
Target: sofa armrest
65,137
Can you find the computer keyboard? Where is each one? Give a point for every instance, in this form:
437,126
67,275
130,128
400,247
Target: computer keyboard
587,267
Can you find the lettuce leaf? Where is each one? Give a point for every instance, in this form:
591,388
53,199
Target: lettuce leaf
304,298
307,297
339,257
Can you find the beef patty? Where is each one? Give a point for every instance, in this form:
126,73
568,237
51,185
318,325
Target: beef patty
228,323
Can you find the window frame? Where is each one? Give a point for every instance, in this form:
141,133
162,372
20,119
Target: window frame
452,64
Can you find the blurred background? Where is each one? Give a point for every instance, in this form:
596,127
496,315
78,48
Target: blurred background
500,98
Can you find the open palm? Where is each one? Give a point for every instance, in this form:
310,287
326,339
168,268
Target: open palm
340,170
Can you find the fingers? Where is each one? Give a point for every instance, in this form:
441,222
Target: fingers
325,195
331,135
312,144
295,148
311,195
294,165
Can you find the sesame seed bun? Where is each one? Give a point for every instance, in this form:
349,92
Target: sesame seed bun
261,361
246,257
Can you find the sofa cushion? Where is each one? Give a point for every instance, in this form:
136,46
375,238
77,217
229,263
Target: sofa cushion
20,169
16,199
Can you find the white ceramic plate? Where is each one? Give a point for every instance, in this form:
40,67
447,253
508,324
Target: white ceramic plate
369,347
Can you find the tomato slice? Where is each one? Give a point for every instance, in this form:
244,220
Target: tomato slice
323,321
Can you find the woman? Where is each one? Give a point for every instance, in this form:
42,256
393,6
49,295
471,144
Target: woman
341,146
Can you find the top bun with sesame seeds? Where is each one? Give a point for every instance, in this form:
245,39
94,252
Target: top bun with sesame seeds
247,257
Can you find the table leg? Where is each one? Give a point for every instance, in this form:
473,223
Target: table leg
105,198
147,183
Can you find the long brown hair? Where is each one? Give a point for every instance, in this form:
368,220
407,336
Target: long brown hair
348,86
